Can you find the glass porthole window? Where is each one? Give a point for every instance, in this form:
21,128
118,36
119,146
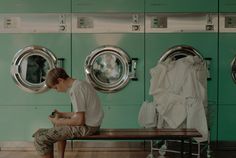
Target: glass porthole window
108,68
29,67
178,52
181,51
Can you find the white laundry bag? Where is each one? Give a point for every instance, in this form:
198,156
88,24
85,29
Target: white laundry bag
148,115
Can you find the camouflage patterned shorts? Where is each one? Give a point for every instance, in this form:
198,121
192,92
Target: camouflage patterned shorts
44,138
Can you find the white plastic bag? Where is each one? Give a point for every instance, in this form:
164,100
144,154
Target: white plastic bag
148,115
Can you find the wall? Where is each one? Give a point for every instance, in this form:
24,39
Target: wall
24,119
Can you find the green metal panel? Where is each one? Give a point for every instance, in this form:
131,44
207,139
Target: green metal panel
59,44
227,52
133,44
181,6
121,116
35,6
205,43
227,6
212,117
107,6
18,123
226,123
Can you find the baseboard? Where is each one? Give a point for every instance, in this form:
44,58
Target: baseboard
110,145
17,145
81,146
105,145
224,145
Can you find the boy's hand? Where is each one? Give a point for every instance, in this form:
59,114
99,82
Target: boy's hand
53,119
54,113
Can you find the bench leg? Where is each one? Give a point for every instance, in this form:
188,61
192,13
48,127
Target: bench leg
151,151
150,156
151,147
182,148
190,147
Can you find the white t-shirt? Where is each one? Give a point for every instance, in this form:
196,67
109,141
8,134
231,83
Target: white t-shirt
84,99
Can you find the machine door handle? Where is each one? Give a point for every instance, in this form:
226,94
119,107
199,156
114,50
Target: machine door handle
208,64
133,67
60,62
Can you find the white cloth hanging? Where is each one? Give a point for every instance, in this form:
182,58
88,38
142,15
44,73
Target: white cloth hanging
195,92
179,90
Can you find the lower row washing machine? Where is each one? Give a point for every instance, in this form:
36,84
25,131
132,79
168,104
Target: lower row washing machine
184,33
227,77
108,51
30,44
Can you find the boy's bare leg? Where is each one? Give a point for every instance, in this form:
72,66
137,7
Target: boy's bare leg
50,155
61,145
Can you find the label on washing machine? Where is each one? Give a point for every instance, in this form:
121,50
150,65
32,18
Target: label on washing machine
230,22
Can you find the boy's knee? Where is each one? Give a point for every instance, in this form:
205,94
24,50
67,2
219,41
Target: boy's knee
38,140
39,137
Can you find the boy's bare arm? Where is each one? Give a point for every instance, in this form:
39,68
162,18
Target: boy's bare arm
77,119
62,114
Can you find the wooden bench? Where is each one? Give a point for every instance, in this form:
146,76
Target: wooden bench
146,134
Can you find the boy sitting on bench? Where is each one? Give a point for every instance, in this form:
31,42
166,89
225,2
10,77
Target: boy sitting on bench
85,120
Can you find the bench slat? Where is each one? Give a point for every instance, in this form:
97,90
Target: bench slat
142,134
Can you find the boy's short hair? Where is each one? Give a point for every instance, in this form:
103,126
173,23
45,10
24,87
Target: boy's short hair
53,75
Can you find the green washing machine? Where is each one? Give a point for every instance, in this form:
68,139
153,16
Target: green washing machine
227,6
183,6
104,6
35,6
108,51
183,34
31,44
227,84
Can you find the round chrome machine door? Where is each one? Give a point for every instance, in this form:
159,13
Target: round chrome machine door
233,69
107,68
29,68
178,52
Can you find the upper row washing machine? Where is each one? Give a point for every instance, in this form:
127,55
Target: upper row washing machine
108,6
182,34
108,51
181,6
227,6
35,6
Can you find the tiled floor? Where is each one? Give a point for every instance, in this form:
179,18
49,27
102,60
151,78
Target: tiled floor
110,154
115,150
100,154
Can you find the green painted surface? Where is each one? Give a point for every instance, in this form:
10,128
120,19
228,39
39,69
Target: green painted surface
117,116
107,6
59,44
18,123
205,43
226,122
227,6
35,6
181,5
227,52
212,116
